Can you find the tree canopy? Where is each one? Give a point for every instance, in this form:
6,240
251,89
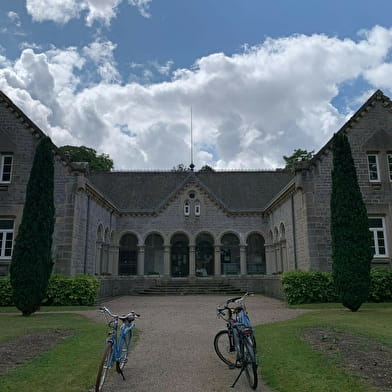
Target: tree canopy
298,155
96,162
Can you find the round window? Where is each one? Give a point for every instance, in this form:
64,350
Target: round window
192,194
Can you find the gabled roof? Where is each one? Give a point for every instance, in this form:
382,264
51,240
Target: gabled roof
236,191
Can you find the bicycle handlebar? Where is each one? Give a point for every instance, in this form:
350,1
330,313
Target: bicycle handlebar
123,317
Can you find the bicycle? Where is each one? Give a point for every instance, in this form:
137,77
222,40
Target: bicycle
117,345
236,345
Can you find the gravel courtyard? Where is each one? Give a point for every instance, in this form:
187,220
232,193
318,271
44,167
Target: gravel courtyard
175,350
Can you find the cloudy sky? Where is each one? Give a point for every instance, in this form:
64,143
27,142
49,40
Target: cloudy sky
262,77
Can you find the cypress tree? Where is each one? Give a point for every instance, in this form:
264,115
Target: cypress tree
351,238
32,264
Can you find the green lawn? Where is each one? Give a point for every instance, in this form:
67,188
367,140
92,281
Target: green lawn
289,364
70,367
13,309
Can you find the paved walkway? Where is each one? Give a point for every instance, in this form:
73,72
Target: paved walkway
175,350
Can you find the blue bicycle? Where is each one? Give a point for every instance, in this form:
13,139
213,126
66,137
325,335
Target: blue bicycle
117,345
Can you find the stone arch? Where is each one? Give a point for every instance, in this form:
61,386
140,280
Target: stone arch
124,232
179,254
230,253
221,235
128,254
154,254
204,254
255,254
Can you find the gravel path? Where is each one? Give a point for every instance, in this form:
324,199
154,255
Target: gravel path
175,350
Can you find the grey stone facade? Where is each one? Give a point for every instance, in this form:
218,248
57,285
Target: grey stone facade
217,224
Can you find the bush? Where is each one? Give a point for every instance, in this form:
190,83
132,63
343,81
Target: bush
62,291
381,286
5,292
302,287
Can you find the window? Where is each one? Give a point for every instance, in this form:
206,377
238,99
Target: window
390,166
6,238
374,174
197,208
5,168
377,228
187,208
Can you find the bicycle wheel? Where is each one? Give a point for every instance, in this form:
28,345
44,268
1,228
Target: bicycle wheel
104,367
250,363
224,347
125,349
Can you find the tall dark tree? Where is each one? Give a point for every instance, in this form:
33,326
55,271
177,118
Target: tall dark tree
297,156
351,238
32,264
96,162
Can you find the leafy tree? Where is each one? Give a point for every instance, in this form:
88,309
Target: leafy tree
351,238
207,168
181,167
298,156
32,264
96,162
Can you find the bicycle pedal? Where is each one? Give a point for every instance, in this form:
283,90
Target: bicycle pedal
232,366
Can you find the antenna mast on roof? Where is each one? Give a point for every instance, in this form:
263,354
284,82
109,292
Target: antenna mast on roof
191,166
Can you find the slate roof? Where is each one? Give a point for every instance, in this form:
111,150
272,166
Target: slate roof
237,191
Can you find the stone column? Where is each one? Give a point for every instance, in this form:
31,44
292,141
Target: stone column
217,260
140,260
243,269
166,260
269,259
98,258
192,261
113,259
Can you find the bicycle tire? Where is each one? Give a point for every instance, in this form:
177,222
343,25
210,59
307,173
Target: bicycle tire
103,367
125,349
225,351
250,363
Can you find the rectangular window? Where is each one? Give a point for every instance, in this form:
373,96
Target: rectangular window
374,174
377,228
5,168
390,166
6,238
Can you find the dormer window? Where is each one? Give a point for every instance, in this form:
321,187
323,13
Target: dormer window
197,208
373,167
187,208
5,168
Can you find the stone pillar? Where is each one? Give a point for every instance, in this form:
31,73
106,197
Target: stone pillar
243,269
217,260
113,259
98,258
269,269
192,262
140,260
166,260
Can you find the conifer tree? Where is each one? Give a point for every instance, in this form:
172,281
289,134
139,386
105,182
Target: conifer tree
31,264
351,238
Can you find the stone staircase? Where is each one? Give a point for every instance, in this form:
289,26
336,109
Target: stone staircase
191,287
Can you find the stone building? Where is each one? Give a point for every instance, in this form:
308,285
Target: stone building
197,223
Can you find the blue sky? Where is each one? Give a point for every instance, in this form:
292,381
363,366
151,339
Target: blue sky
263,78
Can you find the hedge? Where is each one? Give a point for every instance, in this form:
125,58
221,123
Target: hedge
62,291
301,287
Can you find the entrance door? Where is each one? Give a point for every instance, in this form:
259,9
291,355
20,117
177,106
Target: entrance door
204,255
179,256
127,255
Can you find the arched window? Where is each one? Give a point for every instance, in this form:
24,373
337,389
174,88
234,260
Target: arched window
276,235
127,255
282,232
187,208
153,255
197,208
230,255
255,254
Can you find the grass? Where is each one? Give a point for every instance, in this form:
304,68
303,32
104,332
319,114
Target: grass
289,364
336,305
70,367
13,309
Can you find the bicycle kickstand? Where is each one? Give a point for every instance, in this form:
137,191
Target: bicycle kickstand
239,375
119,370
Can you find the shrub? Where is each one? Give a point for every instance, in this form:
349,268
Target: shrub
302,287
62,291
5,292
381,286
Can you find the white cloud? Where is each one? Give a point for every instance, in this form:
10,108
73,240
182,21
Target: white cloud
14,17
249,109
62,11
